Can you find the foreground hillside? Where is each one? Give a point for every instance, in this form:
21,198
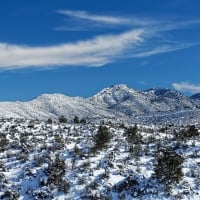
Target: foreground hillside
54,160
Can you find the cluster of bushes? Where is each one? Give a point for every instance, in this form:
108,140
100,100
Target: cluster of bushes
187,133
63,119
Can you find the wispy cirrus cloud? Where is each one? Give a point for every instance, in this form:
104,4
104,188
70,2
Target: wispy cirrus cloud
153,29
187,87
94,52
102,21
95,18
144,38
163,48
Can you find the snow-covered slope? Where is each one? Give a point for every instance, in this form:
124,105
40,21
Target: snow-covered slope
52,106
132,102
61,161
196,96
122,99
117,101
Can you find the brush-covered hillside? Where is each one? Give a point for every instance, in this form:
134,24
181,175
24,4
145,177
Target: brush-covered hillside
105,160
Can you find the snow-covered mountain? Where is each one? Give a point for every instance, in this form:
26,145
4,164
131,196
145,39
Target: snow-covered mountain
132,102
52,106
117,101
196,96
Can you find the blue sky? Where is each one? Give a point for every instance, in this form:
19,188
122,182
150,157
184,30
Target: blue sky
78,47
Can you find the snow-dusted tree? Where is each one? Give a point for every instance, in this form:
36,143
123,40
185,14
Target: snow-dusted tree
187,133
56,172
83,121
49,121
192,131
133,135
10,194
168,169
76,120
101,138
3,142
62,119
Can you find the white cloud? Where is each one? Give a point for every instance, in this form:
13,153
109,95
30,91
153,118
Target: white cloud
94,52
162,49
146,40
163,26
96,18
157,25
187,87
85,21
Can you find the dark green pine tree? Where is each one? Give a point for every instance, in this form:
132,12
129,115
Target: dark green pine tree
76,120
133,137
62,119
168,169
102,138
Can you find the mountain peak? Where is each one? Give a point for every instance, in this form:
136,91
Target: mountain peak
114,88
164,92
119,86
114,94
196,96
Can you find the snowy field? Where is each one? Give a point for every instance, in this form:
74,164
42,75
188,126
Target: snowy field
40,160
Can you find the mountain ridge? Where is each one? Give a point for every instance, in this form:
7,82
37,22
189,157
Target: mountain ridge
114,102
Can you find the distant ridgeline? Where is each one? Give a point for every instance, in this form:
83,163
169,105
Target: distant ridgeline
119,102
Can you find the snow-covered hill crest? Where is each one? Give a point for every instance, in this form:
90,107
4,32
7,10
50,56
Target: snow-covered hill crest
131,102
118,101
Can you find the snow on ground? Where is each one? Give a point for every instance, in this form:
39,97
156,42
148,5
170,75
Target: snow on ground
40,160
